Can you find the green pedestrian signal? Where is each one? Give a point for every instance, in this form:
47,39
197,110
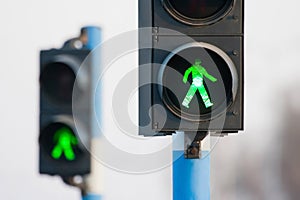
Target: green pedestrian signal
66,115
65,140
195,83
191,66
61,143
198,73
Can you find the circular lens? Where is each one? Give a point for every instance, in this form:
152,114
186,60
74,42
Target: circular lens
60,142
57,80
197,83
198,12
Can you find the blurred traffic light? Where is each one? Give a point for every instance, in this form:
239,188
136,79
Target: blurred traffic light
195,66
64,138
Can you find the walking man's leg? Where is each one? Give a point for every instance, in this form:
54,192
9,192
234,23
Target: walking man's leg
190,94
205,96
56,152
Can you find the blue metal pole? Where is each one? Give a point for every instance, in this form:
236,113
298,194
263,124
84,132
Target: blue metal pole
91,197
191,177
93,40
94,36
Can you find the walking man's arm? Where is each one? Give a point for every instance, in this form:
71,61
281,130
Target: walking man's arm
186,74
210,77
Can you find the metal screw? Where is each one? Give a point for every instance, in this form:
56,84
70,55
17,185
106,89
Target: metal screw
155,38
235,52
155,29
235,17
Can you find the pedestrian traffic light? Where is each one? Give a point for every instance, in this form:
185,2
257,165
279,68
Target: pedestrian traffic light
64,140
194,66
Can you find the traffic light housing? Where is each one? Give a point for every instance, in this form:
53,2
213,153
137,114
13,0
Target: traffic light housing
194,66
64,139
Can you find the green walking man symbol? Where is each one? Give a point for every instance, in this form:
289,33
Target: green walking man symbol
65,140
198,72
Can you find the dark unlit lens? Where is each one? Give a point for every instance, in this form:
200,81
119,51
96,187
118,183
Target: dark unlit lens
198,9
57,80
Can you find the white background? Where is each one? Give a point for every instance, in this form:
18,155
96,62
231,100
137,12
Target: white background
246,166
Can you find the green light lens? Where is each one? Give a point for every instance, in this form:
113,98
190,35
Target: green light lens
196,83
64,140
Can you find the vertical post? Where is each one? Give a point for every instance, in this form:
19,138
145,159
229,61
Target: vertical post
191,177
93,34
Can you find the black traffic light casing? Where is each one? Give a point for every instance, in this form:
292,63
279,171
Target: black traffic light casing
58,71
222,32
